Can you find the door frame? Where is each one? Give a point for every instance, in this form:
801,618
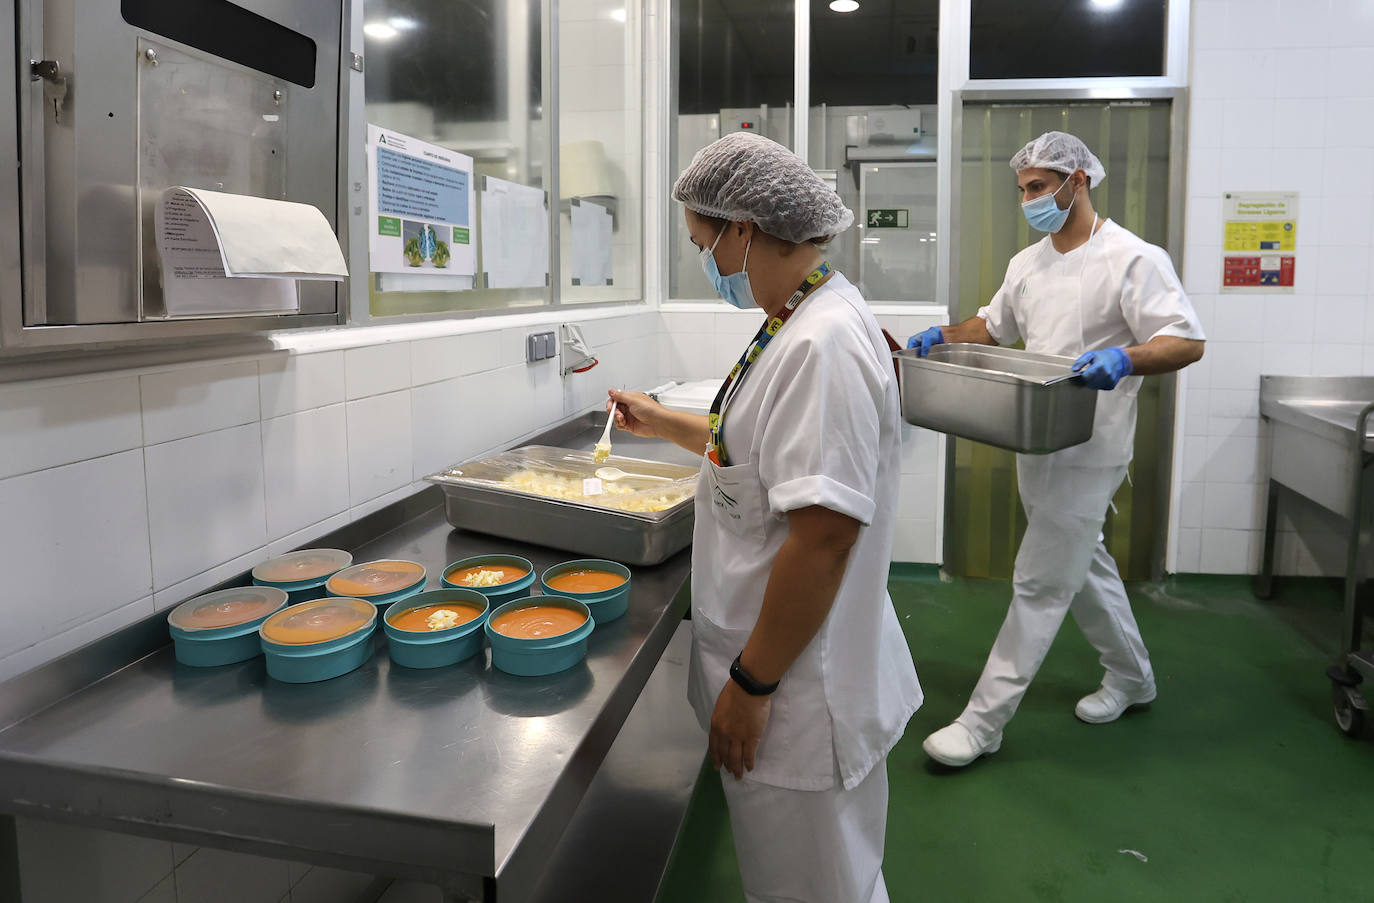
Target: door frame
1162,553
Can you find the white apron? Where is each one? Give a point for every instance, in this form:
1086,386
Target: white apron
814,423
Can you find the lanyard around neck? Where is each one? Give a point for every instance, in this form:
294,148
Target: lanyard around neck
715,450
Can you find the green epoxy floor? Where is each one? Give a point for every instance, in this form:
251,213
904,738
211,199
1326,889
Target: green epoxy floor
1235,783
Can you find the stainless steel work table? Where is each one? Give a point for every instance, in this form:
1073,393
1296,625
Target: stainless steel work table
464,777
1321,438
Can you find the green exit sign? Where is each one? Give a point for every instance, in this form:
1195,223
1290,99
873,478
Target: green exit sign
887,218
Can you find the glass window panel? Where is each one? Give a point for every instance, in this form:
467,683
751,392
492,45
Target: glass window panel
884,52
1066,38
465,75
873,120
734,64
600,109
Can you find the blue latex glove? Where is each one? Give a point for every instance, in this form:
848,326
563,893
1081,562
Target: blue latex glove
1105,368
926,340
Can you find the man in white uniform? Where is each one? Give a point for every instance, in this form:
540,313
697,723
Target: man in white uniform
1091,290
799,668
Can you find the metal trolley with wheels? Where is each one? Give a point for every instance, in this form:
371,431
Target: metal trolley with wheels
1322,448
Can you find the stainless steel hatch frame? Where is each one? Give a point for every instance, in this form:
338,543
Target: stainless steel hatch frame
73,267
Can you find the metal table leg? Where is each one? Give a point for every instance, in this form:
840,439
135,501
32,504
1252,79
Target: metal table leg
1264,581
9,858
1350,705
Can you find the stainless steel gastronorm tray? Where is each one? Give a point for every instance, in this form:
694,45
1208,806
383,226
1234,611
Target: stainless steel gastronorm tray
475,500
997,396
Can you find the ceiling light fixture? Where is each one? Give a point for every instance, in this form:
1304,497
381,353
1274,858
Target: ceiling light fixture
843,6
1106,4
380,30
403,23
618,15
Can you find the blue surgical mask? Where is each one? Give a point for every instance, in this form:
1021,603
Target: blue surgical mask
1044,214
735,287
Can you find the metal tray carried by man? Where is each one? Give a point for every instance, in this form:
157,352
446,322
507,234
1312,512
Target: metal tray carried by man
1023,402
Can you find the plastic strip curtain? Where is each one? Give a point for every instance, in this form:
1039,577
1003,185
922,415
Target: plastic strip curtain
986,520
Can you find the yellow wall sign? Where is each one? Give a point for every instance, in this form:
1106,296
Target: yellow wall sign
1264,236
1259,241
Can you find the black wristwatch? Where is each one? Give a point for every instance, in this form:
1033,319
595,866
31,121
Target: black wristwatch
747,682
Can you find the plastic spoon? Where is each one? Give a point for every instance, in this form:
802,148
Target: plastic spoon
611,474
602,451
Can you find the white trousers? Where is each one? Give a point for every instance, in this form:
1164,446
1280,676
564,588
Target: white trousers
810,846
1062,566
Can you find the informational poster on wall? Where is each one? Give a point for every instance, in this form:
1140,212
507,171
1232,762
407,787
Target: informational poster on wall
1259,241
423,207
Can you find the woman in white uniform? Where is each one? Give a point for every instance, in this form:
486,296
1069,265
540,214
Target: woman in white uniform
799,668
1093,291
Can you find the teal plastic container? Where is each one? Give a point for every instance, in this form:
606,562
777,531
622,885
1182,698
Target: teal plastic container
303,573
501,592
221,628
379,582
544,655
437,648
605,605
344,627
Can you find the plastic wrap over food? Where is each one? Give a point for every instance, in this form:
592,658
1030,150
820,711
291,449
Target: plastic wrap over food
647,487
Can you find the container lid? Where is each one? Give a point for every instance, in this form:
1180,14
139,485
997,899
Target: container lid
694,396
307,564
227,608
376,578
319,621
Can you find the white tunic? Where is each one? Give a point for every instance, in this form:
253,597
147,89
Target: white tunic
1116,289
815,422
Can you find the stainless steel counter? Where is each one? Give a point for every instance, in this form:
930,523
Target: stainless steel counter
465,777
1321,447
1315,404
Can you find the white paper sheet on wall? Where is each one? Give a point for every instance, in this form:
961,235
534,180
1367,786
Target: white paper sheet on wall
515,235
226,254
591,249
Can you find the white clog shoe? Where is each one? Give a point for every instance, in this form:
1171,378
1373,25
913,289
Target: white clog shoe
955,746
1108,705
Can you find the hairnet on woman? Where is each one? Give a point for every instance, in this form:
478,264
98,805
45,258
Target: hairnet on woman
799,670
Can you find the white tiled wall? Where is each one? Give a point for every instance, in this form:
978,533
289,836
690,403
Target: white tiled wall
115,474
157,485
1283,97
703,341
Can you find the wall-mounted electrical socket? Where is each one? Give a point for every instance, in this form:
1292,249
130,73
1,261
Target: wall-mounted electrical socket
540,346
